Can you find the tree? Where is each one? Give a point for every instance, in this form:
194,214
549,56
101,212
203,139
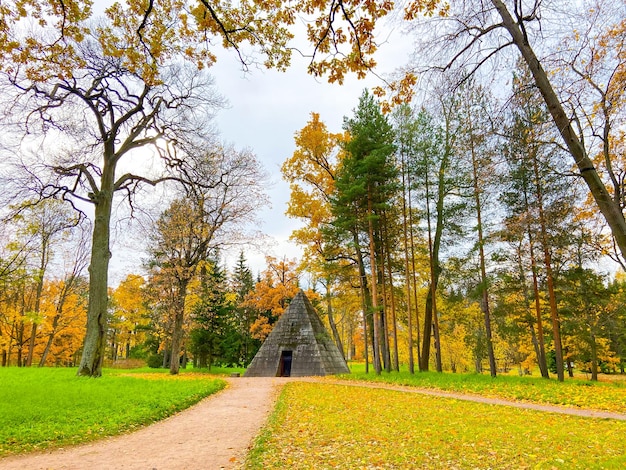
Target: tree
405,133
438,184
584,301
136,40
242,282
474,116
129,316
616,321
46,222
537,195
365,183
578,73
311,173
67,309
114,112
272,293
573,139
211,215
151,33
211,336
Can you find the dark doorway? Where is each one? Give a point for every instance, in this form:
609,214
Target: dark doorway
284,368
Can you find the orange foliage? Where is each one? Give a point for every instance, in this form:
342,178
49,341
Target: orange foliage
271,295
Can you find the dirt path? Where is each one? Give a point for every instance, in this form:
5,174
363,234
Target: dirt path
213,434
481,399
217,432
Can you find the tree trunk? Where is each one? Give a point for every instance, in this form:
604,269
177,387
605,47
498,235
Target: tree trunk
20,342
114,344
331,321
384,327
374,269
407,272
384,322
594,358
177,332
554,314
438,360
95,335
533,337
166,356
365,295
40,277
46,351
481,254
541,356
428,310
394,325
384,332
542,359
608,206
413,274
31,344
431,324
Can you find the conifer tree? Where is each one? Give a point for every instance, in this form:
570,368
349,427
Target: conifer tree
366,183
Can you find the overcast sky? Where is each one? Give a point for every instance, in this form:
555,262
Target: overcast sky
268,107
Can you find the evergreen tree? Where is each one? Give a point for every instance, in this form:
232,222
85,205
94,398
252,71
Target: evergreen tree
366,183
242,282
539,200
211,314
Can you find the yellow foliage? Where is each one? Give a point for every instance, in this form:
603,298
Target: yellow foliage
129,311
64,317
145,35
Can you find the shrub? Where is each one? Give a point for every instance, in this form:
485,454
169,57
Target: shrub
155,361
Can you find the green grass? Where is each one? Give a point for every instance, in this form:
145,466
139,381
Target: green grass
606,396
49,407
226,371
329,426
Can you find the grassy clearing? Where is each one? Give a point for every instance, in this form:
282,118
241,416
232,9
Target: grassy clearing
42,408
606,396
330,426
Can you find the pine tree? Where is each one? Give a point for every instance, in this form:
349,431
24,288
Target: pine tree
242,282
366,183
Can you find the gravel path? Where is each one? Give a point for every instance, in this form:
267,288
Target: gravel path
217,432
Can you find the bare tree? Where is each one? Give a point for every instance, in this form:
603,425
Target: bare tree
575,54
205,218
73,281
106,114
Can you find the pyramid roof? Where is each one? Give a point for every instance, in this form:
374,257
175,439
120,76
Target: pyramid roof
300,335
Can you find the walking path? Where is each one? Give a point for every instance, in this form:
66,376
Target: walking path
488,400
213,434
217,432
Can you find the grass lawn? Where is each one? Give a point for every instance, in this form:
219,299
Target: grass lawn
51,407
579,393
325,426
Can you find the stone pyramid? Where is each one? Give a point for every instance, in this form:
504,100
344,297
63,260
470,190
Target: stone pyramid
298,346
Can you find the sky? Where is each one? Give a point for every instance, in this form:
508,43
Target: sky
265,108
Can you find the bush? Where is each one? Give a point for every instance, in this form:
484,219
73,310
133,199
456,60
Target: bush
138,352
155,361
